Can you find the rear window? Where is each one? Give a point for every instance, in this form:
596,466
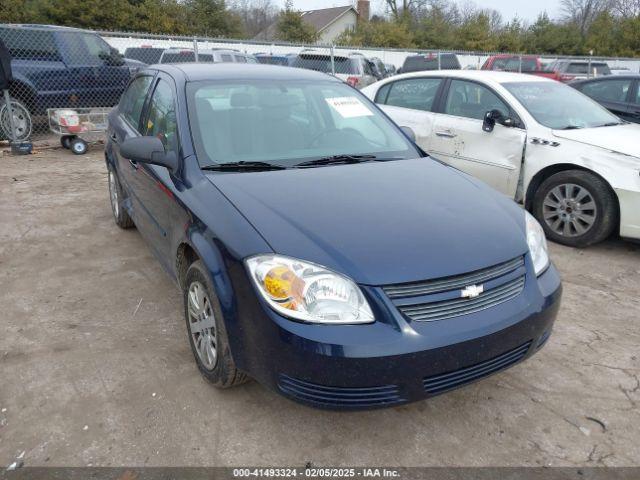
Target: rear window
418,63
205,57
322,63
26,43
146,55
583,68
179,56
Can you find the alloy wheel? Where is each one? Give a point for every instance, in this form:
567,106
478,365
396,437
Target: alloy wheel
202,325
569,210
113,194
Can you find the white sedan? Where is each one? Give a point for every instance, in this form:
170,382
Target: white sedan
573,164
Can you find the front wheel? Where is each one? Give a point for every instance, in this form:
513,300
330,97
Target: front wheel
120,215
206,329
575,208
21,121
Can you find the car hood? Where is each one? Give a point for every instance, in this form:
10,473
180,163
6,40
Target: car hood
621,138
380,222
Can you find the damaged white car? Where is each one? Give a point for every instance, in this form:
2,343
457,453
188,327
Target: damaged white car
571,162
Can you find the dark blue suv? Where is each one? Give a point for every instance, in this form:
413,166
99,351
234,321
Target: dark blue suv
318,250
61,67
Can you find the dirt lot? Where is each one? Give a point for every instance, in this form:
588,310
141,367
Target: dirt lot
95,368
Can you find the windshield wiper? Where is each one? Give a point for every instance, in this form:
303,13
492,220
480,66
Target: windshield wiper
571,127
235,166
611,124
336,159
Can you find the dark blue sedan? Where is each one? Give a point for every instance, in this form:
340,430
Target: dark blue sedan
318,250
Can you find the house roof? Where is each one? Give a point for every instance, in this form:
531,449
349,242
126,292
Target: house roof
322,18
318,19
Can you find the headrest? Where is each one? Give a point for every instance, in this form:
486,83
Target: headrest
275,100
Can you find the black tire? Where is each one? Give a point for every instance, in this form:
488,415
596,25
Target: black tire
600,194
120,215
65,141
223,374
78,146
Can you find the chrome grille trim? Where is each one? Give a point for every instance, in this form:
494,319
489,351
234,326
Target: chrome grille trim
428,312
454,282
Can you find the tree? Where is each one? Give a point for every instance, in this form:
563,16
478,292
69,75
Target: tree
256,15
379,33
584,12
402,10
292,28
211,18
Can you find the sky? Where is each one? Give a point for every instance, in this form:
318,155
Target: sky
526,10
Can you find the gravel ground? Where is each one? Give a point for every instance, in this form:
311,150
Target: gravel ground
95,366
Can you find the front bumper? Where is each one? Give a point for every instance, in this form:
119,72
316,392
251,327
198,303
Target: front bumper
629,213
394,360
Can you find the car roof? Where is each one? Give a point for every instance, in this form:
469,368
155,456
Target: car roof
626,76
36,26
484,75
195,72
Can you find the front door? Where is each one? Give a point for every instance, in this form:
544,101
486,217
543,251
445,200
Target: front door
458,138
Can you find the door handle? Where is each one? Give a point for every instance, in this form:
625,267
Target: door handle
114,137
133,164
446,134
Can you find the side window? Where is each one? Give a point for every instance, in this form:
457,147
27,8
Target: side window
608,90
226,58
132,100
162,122
381,96
415,93
637,99
241,59
30,44
472,100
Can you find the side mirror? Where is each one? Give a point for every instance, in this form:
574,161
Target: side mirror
148,150
490,119
409,133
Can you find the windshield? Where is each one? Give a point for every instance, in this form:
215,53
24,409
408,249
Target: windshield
559,106
288,122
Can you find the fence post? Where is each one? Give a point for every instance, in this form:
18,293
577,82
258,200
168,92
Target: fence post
333,62
195,48
439,61
520,63
590,57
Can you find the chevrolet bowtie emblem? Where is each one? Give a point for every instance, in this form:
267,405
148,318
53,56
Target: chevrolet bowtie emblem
472,291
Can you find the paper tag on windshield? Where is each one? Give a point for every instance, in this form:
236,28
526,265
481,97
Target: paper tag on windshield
349,107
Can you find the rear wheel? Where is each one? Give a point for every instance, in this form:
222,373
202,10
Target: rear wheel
575,208
65,141
120,215
206,329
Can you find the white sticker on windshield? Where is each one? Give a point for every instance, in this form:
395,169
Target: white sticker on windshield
349,107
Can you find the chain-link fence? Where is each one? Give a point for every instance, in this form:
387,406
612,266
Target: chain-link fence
83,71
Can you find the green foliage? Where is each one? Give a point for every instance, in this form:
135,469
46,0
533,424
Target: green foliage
380,33
292,28
413,24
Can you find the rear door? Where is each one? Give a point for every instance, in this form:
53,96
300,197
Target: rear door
409,103
613,93
458,138
125,123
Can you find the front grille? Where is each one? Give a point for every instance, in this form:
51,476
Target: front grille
428,312
447,381
454,282
343,397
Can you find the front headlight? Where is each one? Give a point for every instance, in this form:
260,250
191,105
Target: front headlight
537,244
308,292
